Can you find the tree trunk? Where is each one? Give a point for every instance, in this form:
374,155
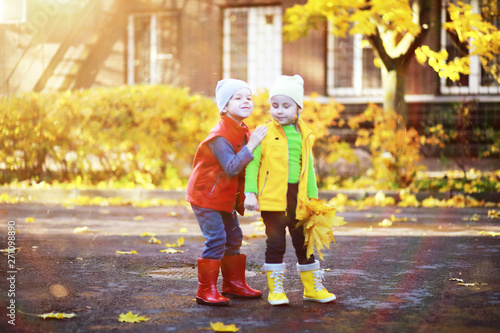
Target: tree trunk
394,92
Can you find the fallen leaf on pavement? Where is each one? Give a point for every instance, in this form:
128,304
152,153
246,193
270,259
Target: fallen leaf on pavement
170,250
456,279
131,318
178,243
80,230
474,217
220,327
58,315
473,284
493,214
154,240
385,223
127,252
489,233
398,219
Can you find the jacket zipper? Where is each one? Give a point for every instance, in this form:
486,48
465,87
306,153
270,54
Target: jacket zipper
265,181
213,188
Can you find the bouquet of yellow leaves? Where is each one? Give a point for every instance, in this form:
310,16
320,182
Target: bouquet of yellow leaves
318,225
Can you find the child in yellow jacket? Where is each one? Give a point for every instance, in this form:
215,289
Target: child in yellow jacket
278,182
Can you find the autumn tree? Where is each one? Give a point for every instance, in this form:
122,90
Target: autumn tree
396,30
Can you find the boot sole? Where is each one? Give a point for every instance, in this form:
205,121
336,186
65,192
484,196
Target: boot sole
230,295
326,300
202,302
281,302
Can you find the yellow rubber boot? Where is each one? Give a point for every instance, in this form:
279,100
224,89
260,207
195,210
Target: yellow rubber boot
314,290
275,276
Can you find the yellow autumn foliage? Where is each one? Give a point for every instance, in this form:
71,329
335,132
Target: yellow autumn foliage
395,149
318,226
124,136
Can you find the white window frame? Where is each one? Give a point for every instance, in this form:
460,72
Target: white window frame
474,87
154,55
264,46
357,88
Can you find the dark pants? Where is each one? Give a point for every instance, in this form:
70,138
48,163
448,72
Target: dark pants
276,224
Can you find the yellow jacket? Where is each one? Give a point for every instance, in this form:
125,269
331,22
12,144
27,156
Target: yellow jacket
273,171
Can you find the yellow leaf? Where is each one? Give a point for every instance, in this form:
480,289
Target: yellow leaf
471,284
173,214
183,230
154,240
380,198
178,243
493,214
171,251
474,217
138,218
127,252
8,250
131,318
489,233
58,315
79,230
220,327
30,219
398,219
385,223
456,279
151,234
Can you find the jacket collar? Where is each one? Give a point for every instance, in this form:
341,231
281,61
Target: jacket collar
302,126
231,122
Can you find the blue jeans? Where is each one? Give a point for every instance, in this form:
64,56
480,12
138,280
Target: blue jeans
222,233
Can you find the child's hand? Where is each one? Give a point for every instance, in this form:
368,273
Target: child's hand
256,138
251,202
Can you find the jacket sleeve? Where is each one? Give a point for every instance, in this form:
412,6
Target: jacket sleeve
231,163
252,171
312,187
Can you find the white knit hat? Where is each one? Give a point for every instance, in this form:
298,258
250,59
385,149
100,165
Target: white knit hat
225,90
291,86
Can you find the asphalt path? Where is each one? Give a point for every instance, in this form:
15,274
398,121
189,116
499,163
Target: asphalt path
432,270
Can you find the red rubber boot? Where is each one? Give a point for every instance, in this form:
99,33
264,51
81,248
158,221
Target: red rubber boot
233,277
208,272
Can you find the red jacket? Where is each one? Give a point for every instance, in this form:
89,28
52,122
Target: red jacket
209,186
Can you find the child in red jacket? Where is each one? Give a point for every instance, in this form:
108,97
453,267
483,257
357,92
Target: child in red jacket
216,192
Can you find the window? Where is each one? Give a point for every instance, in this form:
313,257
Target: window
350,67
479,81
12,11
152,49
252,44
